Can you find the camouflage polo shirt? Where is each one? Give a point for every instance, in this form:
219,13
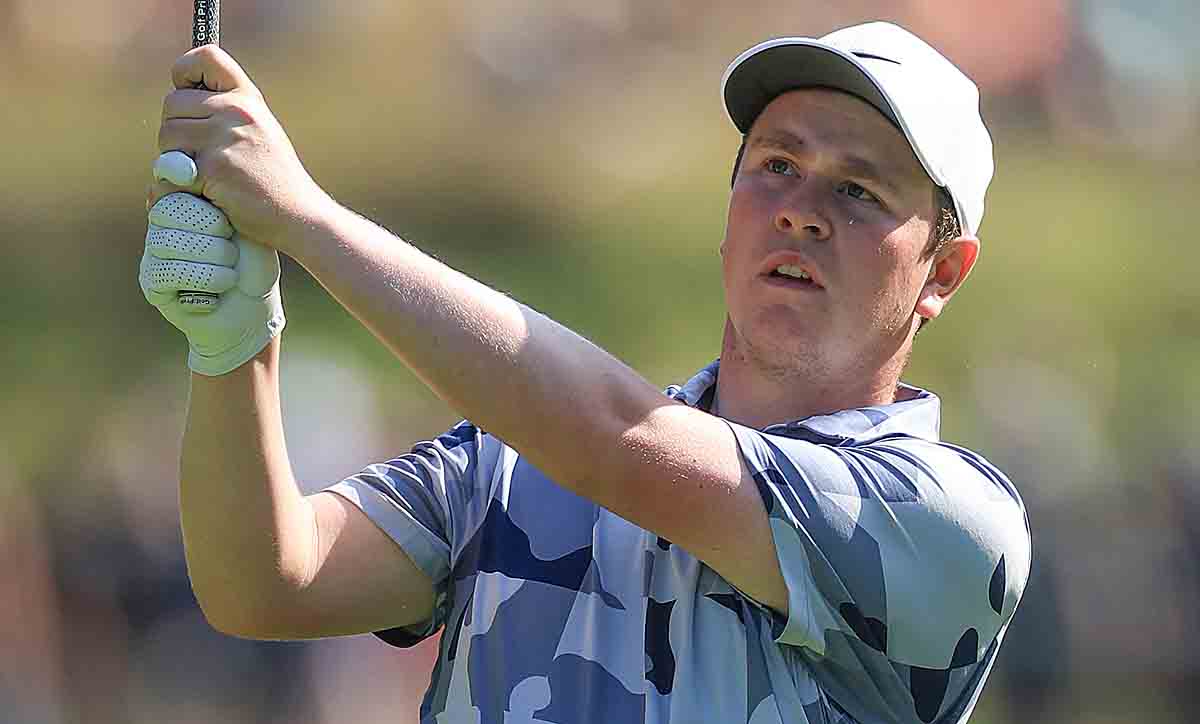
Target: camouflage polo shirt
904,558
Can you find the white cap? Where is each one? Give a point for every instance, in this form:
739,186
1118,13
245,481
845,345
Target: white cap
922,93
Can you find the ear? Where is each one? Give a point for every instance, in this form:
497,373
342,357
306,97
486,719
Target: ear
950,268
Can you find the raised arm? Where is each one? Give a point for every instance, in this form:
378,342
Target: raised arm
582,416
266,562
587,420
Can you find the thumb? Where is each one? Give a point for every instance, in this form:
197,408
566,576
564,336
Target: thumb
210,67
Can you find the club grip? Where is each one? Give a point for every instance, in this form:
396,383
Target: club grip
206,23
206,30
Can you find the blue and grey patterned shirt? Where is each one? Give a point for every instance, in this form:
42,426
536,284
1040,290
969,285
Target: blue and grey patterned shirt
904,559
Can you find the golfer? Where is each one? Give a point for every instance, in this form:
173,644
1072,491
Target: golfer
783,538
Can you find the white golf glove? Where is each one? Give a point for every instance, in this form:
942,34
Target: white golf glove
190,246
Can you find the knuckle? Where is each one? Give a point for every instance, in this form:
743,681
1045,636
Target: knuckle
244,134
241,112
238,111
205,53
218,161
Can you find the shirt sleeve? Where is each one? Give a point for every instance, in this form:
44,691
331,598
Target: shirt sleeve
429,501
904,561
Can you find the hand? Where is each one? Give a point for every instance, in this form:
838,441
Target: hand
245,163
191,245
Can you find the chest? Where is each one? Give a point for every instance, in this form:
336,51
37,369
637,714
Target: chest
536,531
560,606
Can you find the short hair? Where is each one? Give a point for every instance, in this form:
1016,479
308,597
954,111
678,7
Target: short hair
946,226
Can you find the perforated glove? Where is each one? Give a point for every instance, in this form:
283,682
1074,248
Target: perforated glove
191,246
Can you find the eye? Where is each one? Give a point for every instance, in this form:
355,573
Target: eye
855,191
780,166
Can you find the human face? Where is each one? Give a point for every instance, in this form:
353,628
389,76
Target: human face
829,186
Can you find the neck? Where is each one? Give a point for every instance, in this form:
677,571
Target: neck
755,394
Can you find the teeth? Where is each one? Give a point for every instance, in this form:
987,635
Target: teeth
789,270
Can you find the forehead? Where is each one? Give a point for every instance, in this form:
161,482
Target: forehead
837,123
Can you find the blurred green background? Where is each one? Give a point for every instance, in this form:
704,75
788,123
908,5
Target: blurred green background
575,154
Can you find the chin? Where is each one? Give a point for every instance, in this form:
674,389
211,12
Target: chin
778,336
786,328
784,351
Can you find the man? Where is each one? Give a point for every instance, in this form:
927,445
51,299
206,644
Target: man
781,539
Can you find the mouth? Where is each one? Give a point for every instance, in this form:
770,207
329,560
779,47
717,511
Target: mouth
791,272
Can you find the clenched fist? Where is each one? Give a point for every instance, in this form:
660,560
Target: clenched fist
191,246
245,163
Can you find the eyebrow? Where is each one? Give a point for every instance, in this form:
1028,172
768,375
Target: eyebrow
851,164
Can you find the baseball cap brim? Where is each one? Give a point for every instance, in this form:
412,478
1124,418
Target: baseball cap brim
933,103
765,71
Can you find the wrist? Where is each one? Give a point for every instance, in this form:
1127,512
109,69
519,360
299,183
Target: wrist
263,364
224,355
329,227
314,227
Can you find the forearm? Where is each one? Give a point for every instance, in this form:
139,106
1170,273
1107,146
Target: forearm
511,370
247,530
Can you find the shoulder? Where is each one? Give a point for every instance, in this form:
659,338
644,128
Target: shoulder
941,469
953,542
936,521
957,538
944,494
895,468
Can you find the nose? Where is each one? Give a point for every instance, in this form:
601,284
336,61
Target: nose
799,215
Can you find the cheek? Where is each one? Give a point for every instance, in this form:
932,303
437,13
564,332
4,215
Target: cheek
887,279
739,210
877,265
734,267
750,196
738,247
904,276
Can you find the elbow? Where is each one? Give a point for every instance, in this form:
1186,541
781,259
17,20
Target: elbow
229,624
256,623
235,616
258,598
262,614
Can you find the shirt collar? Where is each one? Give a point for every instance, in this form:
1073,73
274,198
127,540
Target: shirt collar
917,417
